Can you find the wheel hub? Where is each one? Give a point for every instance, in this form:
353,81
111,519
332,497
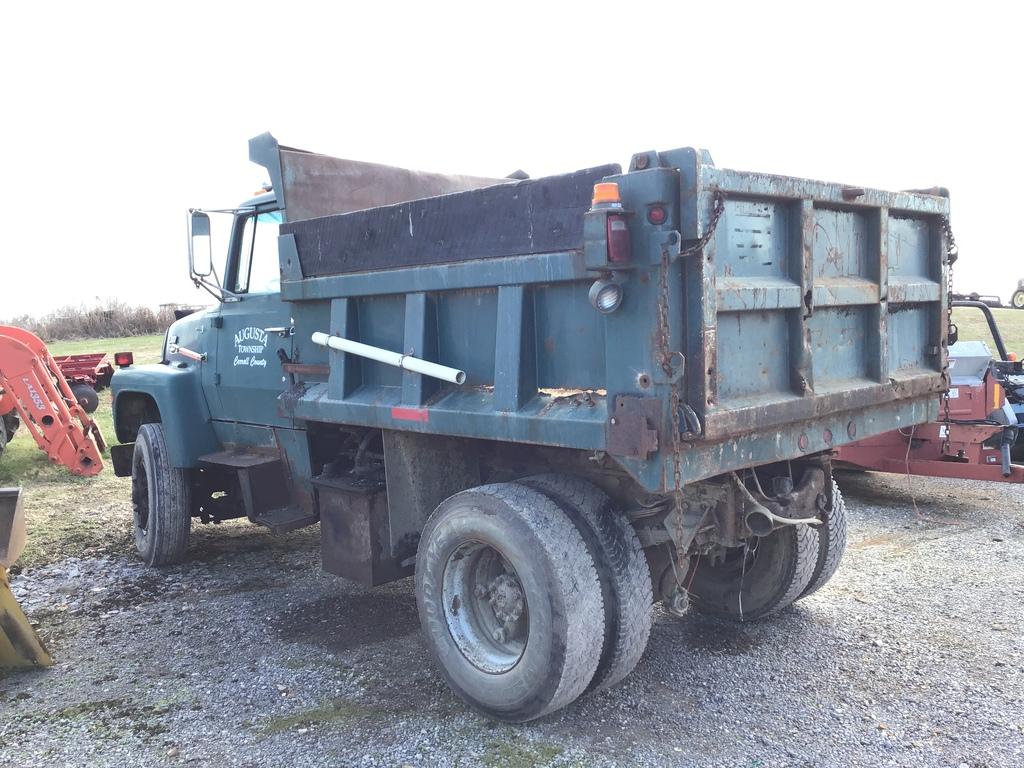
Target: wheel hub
485,607
140,499
505,596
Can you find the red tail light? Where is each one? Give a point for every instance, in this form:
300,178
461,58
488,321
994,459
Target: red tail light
123,359
657,215
618,239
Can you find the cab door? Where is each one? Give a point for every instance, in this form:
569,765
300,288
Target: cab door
255,330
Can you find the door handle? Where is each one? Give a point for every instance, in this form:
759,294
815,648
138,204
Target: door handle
282,332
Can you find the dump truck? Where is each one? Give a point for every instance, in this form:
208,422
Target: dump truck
552,401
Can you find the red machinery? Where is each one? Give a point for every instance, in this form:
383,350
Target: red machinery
976,428
86,374
90,368
33,387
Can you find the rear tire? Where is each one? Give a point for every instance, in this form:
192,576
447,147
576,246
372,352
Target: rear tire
161,500
1017,300
621,568
831,543
509,601
86,397
778,568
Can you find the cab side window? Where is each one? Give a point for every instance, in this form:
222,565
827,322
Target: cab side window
259,270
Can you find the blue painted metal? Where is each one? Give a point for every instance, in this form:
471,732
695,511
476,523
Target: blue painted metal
815,315
178,394
815,311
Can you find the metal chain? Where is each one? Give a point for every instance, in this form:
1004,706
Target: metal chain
664,350
952,253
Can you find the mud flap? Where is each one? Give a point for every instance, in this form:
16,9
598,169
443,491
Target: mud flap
20,646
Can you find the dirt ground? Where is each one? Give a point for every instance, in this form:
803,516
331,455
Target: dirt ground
249,655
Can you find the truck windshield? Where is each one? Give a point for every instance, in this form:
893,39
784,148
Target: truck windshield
258,266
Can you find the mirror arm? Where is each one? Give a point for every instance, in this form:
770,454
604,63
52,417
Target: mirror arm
214,289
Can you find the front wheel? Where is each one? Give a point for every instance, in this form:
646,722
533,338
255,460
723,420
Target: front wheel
509,601
757,579
1017,300
161,500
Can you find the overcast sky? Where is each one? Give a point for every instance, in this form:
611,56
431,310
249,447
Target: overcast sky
116,119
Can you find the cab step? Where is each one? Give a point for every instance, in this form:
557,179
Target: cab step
266,488
285,519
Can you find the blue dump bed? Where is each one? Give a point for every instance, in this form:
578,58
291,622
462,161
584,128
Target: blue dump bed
775,317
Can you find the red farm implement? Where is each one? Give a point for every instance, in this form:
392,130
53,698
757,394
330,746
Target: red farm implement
86,374
977,427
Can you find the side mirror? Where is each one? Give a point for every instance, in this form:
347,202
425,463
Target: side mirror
200,246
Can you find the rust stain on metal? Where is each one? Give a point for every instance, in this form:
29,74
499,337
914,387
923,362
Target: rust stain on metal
632,426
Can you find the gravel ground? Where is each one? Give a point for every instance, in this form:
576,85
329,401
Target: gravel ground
250,656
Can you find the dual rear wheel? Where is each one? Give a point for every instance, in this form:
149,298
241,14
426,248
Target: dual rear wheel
770,572
532,593
535,592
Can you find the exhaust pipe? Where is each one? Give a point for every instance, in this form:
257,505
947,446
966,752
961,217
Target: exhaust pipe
762,521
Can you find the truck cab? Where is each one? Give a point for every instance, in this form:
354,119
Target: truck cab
220,376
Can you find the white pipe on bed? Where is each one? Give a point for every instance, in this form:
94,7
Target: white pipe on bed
386,356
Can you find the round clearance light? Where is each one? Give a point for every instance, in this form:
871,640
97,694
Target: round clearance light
606,296
657,215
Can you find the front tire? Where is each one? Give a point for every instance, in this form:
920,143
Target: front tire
756,580
161,500
509,601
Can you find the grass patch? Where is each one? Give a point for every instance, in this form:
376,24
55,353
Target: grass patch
519,753
973,327
146,348
335,711
112,718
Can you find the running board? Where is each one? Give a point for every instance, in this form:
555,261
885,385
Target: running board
266,488
285,519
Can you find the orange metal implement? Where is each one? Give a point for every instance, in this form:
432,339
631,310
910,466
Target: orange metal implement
32,384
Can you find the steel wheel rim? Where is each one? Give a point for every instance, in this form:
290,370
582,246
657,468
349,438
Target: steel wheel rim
485,607
140,499
735,561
